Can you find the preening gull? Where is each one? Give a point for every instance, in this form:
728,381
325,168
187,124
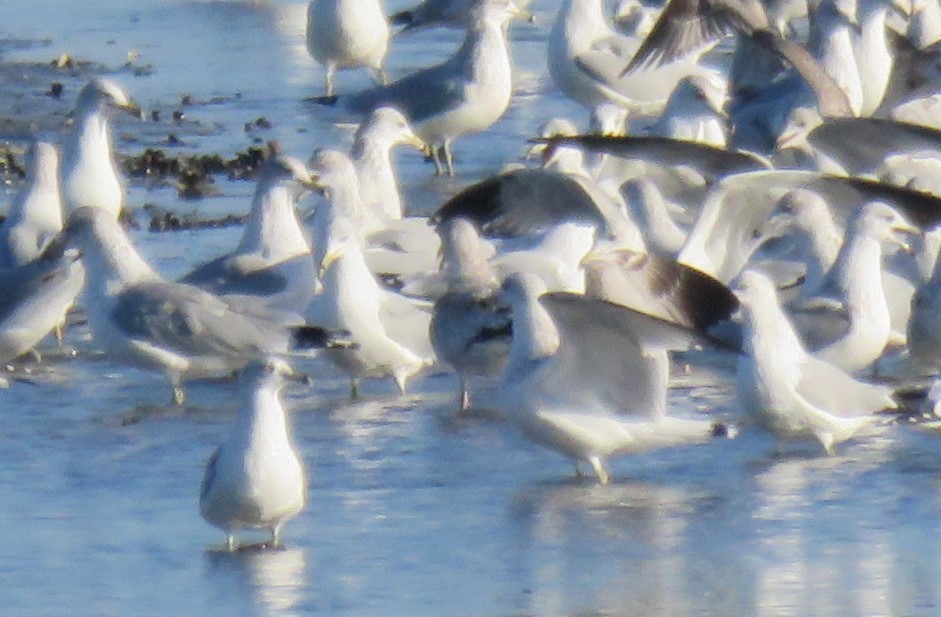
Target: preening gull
89,176
788,391
35,216
348,34
273,259
176,329
589,379
466,94
256,480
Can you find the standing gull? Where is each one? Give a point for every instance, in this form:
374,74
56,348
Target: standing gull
35,216
179,330
589,379
466,94
255,480
348,34
787,390
89,176
272,260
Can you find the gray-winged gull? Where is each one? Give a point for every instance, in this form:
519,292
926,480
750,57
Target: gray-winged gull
178,330
273,258
89,176
390,331
788,391
348,34
588,379
467,330
255,479
466,94
446,13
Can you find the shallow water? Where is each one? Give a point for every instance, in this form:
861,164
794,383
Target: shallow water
410,512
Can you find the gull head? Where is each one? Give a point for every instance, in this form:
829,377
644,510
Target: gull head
286,171
799,124
883,223
42,164
331,170
754,290
521,287
268,373
557,156
609,119
497,12
463,251
387,127
100,93
807,209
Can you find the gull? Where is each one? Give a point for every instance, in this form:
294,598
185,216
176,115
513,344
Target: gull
178,330
256,480
390,332
348,34
874,59
446,13
853,293
35,216
273,258
788,391
650,211
694,112
466,94
832,29
588,379
586,56
89,177
397,248
385,128
685,26
467,330
34,299
555,257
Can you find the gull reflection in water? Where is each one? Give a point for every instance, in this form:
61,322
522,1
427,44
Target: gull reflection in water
274,580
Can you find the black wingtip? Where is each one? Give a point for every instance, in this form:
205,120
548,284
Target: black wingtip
327,101
403,18
315,337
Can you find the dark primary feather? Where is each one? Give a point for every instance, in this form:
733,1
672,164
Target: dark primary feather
712,161
521,202
861,145
402,18
315,337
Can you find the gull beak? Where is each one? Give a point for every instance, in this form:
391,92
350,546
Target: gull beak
419,144
310,182
331,256
900,230
133,109
905,7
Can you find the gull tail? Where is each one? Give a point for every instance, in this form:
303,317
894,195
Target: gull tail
832,102
315,337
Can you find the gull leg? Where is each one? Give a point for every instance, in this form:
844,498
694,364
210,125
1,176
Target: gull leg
230,542
179,395
436,157
400,381
448,158
464,396
354,388
59,332
578,470
598,466
276,536
331,71
36,355
379,76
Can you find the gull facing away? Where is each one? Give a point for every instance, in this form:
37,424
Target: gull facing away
256,480
588,379
348,34
466,94
178,330
790,392
273,259
35,216
468,331
89,176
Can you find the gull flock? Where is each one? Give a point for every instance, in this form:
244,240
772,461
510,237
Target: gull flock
754,189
